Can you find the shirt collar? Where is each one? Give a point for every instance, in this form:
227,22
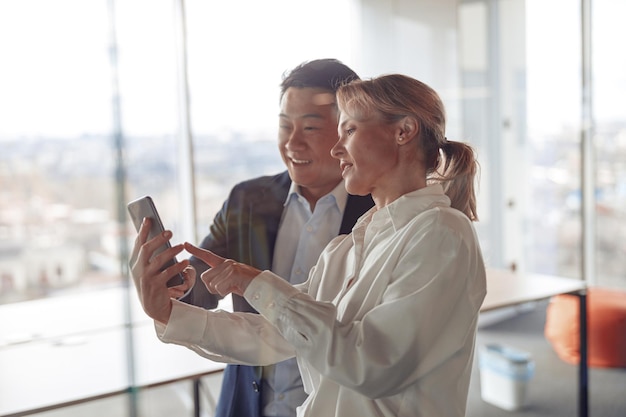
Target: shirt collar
339,193
409,205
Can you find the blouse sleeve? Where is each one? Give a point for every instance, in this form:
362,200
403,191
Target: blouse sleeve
426,314
243,338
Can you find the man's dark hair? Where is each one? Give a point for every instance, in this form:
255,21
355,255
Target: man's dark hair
328,74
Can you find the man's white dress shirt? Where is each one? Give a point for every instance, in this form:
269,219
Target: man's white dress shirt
384,326
302,235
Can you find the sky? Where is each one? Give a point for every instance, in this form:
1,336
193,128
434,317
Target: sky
554,63
59,78
56,77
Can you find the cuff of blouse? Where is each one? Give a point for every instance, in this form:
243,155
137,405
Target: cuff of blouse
268,294
187,323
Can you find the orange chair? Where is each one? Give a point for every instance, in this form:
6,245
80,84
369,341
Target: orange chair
606,327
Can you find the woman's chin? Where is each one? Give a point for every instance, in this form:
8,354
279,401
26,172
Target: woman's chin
354,189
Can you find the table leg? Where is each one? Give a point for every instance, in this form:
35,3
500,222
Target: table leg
196,397
583,377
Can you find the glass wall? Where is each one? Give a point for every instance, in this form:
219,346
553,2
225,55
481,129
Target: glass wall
554,123
609,139
523,103
92,103
557,104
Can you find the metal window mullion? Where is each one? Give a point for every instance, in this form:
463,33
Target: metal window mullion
587,151
186,179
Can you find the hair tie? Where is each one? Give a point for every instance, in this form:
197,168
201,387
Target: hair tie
444,143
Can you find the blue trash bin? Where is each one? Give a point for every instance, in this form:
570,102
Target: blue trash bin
505,373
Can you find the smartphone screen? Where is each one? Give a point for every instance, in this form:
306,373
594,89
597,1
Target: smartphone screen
144,207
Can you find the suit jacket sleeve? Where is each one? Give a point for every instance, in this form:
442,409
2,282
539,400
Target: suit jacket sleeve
216,242
244,230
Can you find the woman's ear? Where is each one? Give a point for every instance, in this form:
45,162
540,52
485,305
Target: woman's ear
408,128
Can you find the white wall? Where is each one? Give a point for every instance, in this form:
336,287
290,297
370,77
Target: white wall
415,38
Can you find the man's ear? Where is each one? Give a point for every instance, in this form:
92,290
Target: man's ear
407,130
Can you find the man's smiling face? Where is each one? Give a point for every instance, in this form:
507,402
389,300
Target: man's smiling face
307,132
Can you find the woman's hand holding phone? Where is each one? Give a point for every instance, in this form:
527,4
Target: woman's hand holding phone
157,275
150,272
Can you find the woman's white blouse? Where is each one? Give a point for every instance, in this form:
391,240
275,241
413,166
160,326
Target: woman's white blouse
384,326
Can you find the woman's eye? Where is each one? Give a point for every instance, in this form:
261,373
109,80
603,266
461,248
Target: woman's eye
350,131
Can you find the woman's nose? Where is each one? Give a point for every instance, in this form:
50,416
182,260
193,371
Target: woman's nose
337,150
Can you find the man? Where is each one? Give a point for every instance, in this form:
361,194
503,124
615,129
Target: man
282,223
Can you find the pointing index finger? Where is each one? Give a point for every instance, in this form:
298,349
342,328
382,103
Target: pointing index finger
207,256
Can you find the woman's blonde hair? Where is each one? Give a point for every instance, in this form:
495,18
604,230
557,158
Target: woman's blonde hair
395,96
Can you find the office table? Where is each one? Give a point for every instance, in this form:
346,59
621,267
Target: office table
505,289
57,352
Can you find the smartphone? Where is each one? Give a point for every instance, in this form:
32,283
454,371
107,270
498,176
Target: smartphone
144,207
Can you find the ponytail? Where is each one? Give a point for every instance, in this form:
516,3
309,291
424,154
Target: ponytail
455,171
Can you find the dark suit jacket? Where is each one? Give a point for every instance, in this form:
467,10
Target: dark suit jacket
245,230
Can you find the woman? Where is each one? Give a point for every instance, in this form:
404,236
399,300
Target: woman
386,323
